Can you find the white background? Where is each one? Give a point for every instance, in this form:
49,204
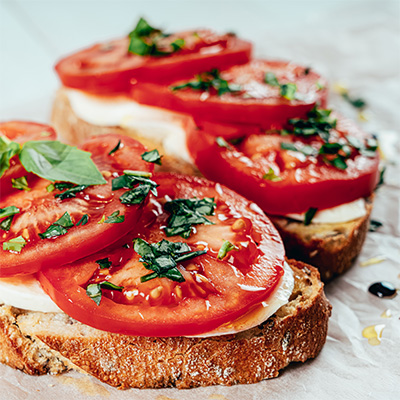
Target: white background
353,42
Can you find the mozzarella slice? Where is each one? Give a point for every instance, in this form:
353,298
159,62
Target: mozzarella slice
343,213
25,292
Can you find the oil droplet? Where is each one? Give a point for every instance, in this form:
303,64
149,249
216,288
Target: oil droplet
382,289
373,333
387,314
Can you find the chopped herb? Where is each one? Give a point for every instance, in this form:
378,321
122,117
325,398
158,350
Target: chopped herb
141,174
319,86
307,70
207,81
84,220
288,146
115,148
104,263
310,213
270,176
152,156
187,212
9,211
63,185
338,162
374,225
93,290
16,244
50,187
56,161
5,225
223,143
20,183
287,90
115,218
8,150
129,180
136,195
103,218
70,192
45,134
355,102
226,247
381,178
58,228
163,257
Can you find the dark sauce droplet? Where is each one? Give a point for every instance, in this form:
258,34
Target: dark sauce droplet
382,289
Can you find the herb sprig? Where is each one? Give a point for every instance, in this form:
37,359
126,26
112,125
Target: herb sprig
287,90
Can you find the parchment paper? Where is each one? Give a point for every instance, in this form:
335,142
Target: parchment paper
353,42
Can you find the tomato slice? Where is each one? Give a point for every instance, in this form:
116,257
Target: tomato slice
39,209
21,132
256,103
108,67
214,291
282,181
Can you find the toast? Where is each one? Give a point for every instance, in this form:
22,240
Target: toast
39,343
331,247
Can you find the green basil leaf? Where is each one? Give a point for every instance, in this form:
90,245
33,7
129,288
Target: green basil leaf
143,28
288,90
110,286
115,148
339,163
9,211
104,263
191,255
355,102
115,218
288,146
152,156
57,161
136,195
20,183
63,185
271,79
16,244
309,215
84,220
5,225
8,149
94,292
58,228
374,225
226,247
223,143
69,193
270,176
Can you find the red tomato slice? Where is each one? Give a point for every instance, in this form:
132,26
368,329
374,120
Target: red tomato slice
257,103
214,291
21,132
108,67
39,209
304,181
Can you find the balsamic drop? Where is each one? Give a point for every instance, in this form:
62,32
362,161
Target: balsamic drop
382,289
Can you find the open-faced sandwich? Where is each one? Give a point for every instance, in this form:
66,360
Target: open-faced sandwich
260,127
142,279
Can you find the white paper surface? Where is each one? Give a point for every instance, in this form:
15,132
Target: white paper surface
354,42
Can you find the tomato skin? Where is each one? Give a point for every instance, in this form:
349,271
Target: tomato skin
21,132
115,68
39,209
269,110
317,185
192,315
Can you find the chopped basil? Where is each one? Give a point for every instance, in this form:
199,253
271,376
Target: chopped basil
374,225
187,212
56,161
381,178
5,225
319,86
307,70
152,156
9,211
8,149
226,247
63,185
103,218
136,195
223,143
288,146
104,263
355,102
16,244
93,290
270,176
287,90
209,80
50,187
58,228
84,220
115,218
310,213
163,257
146,41
70,192
20,183
115,148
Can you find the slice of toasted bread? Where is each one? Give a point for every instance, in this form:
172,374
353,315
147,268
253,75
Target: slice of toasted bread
332,248
38,343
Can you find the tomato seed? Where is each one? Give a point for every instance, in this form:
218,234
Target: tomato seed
238,225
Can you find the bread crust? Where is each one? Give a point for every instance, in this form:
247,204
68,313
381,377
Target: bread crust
295,333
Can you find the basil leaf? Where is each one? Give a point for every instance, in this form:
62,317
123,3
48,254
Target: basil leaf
20,183
115,218
288,90
94,292
9,211
57,161
16,244
355,102
223,143
288,146
271,79
143,28
135,196
115,148
152,156
111,286
339,163
374,225
5,225
104,263
84,220
309,215
63,185
270,176
71,192
50,188
58,228
8,149
191,255
226,247
138,174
